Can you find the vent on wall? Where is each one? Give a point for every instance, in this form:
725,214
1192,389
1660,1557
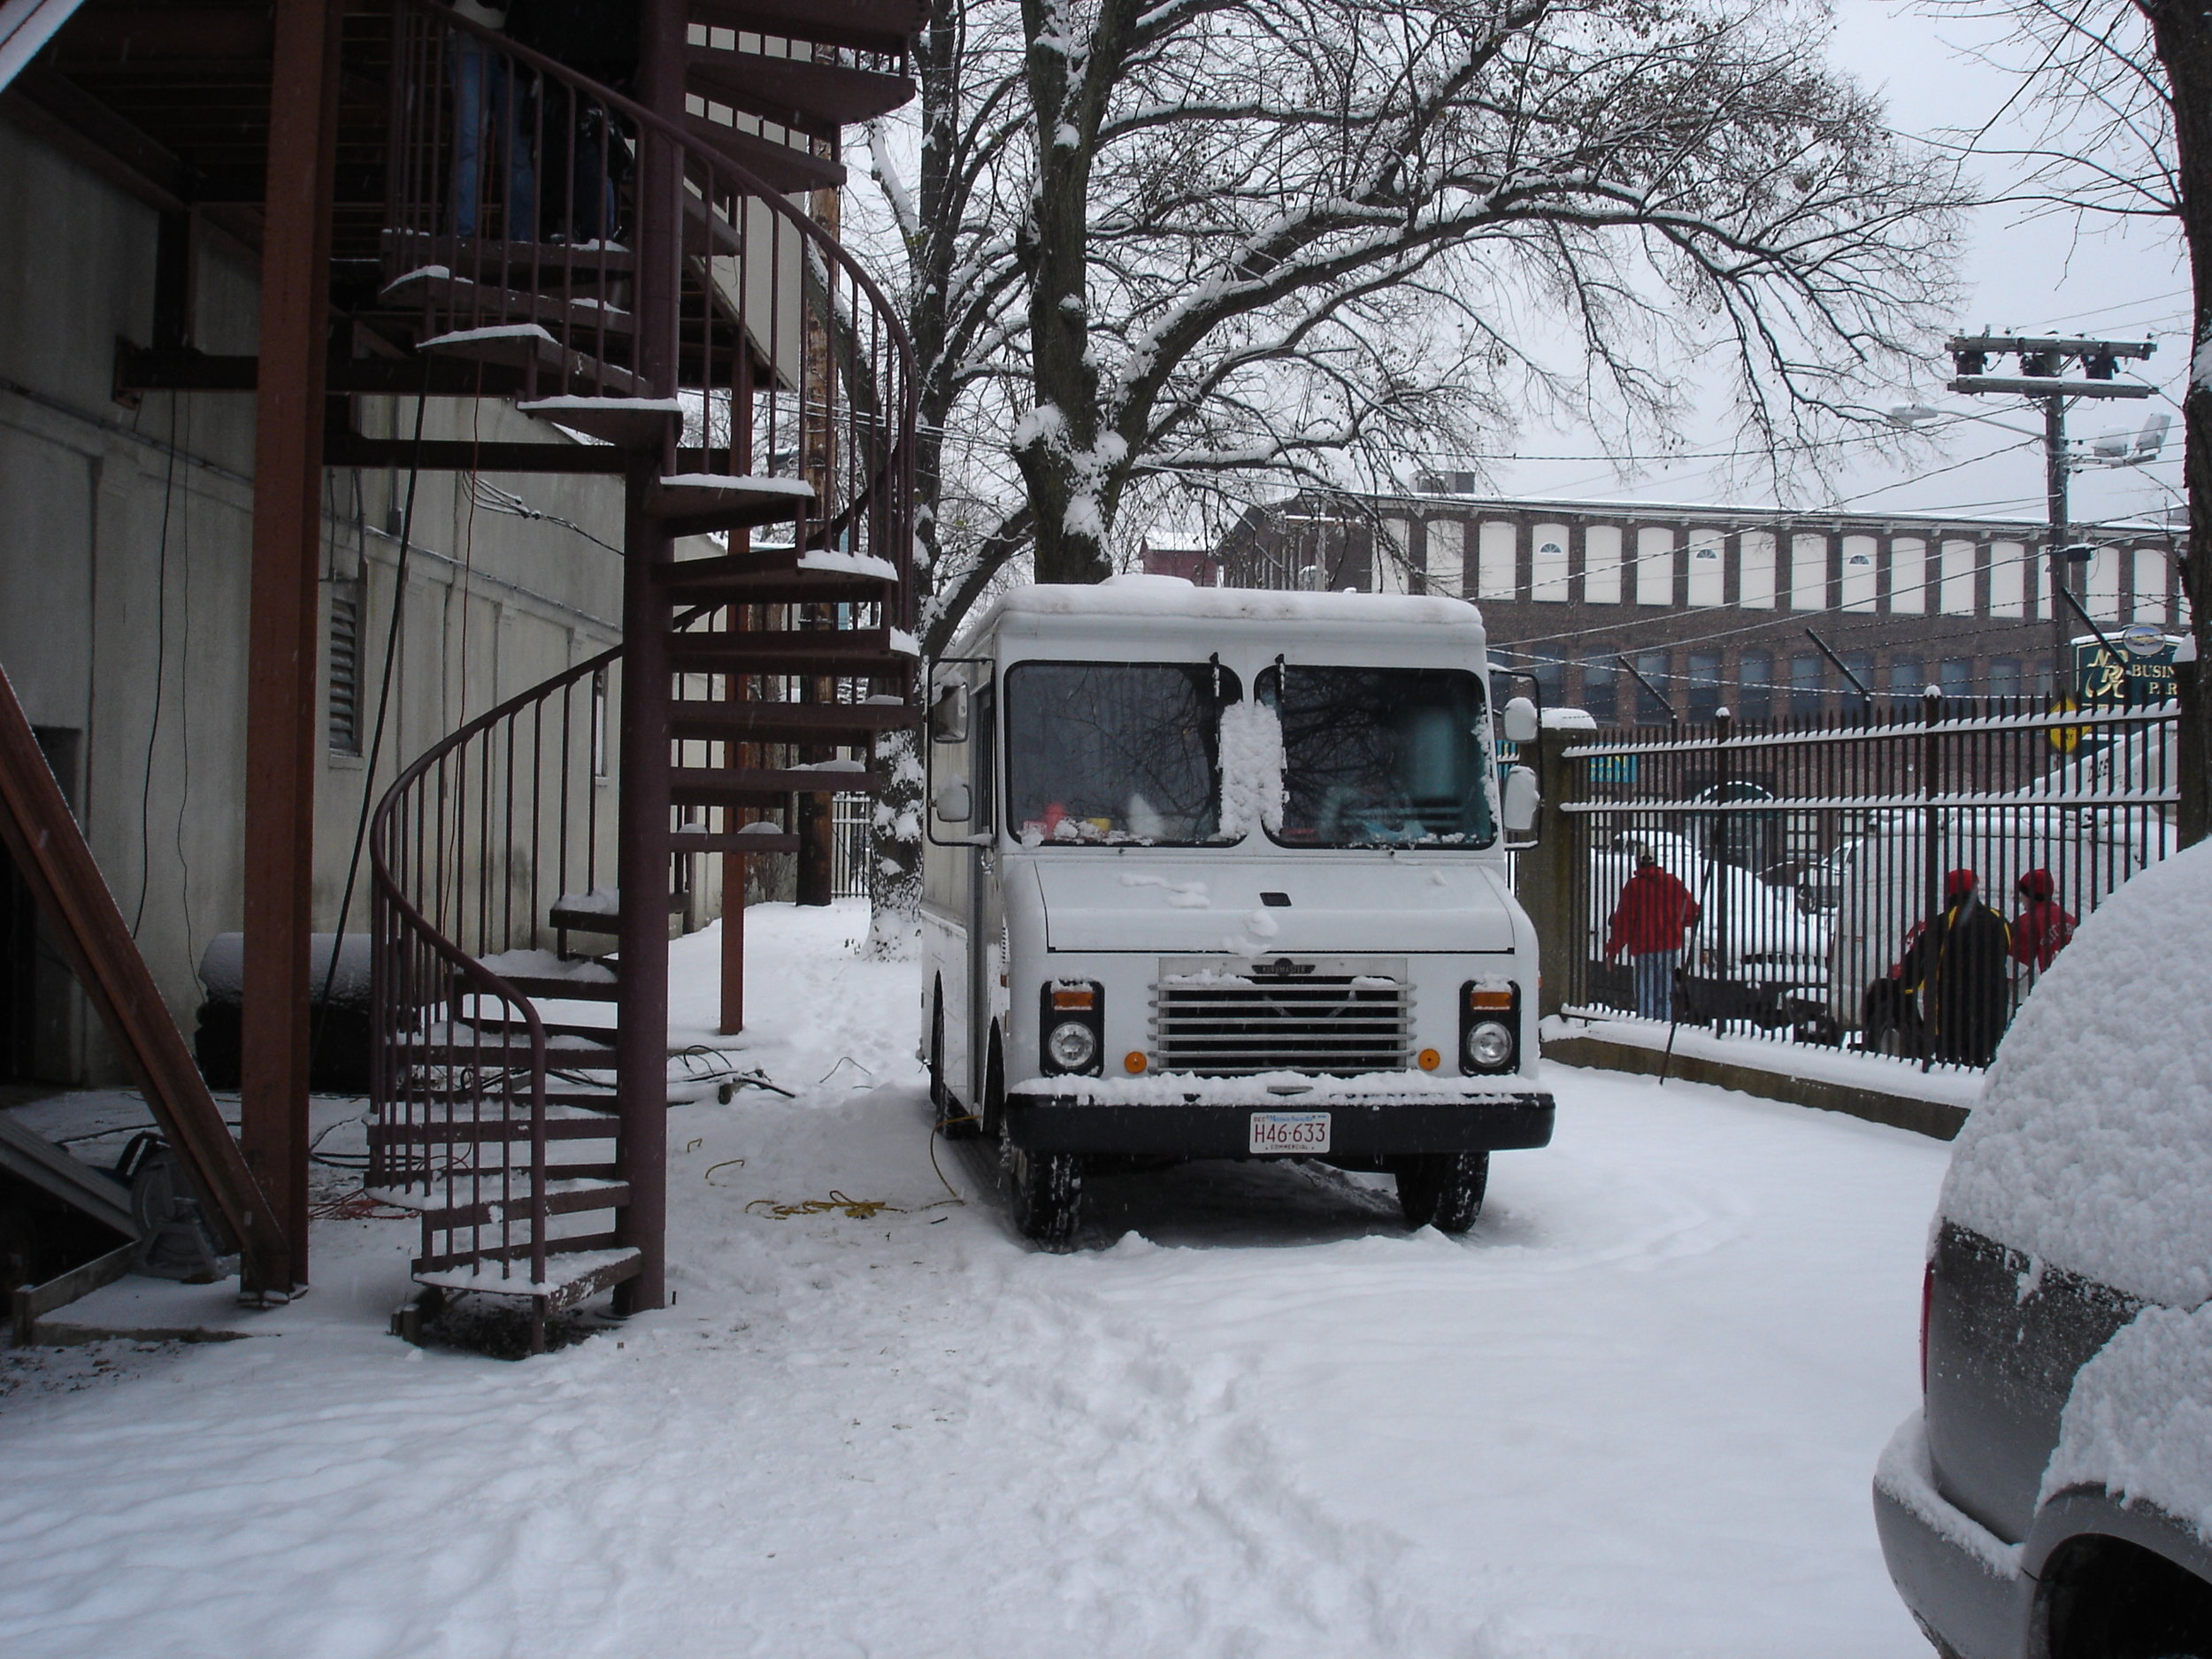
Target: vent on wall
345,668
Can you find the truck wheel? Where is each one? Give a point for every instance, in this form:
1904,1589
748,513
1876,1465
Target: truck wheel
1443,1189
992,1108
953,1121
1048,1195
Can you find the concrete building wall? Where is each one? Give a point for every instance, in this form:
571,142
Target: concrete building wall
1710,601
125,546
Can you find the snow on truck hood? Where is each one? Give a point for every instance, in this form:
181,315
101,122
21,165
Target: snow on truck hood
1173,906
2092,1148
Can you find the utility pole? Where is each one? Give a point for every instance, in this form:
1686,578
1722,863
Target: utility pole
2043,376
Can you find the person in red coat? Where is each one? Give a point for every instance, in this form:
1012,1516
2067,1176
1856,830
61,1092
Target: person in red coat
1655,911
2042,928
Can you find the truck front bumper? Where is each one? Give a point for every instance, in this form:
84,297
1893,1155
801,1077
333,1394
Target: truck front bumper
1079,1114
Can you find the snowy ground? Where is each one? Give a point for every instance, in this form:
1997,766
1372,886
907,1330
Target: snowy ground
1634,1413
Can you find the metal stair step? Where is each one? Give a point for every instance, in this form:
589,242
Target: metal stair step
763,785
561,1198
575,919
868,26
807,96
510,1056
521,345
782,168
500,1025
577,1270
628,423
788,722
699,504
738,841
540,989
440,290
405,250
874,652
798,587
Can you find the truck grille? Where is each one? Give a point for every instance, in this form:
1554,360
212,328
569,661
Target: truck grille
1226,1020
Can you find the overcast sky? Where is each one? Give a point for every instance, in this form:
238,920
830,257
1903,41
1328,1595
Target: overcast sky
2032,276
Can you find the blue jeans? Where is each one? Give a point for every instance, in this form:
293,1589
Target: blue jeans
487,104
1654,973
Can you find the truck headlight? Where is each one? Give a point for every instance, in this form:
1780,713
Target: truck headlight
1489,1045
1071,1016
1489,1027
1071,1045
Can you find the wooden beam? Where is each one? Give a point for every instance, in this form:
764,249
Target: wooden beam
284,613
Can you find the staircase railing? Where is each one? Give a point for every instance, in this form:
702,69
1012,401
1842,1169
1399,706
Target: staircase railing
472,850
512,201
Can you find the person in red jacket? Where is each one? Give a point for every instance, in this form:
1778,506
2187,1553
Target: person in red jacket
2043,928
1655,911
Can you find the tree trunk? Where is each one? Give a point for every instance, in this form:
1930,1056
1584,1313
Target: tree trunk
2184,34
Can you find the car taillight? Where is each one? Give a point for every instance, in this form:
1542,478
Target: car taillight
1927,1301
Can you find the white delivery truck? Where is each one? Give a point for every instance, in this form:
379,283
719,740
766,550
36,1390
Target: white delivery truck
1221,872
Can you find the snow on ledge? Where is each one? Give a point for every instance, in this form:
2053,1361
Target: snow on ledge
1810,1062
849,563
798,489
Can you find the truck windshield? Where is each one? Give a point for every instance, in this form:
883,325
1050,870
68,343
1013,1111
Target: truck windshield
1380,756
1124,753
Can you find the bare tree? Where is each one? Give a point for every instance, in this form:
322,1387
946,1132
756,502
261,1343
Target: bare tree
2115,98
1207,246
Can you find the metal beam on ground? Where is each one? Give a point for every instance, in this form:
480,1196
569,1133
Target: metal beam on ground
49,853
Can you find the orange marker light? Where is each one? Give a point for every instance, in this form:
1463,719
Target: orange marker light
1429,1059
1490,999
1082,998
1134,1063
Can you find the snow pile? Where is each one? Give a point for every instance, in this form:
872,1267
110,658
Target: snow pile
2092,1151
2139,1422
1629,1417
1251,770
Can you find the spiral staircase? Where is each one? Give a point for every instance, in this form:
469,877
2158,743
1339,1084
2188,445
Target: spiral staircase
618,216
635,272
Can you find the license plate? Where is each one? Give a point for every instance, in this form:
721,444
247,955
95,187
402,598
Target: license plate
1289,1132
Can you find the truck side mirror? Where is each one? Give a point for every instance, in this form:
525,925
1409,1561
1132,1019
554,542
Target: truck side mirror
953,804
1517,808
948,720
1520,721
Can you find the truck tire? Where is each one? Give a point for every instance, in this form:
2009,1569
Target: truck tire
1443,1189
1048,1195
953,1121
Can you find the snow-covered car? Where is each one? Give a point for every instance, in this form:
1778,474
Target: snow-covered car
1219,872
2053,1497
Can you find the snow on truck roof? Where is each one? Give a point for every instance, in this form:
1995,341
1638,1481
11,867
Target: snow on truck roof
1157,598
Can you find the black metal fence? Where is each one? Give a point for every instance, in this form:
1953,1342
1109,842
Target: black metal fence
1810,880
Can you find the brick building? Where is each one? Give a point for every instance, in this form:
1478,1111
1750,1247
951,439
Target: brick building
1711,604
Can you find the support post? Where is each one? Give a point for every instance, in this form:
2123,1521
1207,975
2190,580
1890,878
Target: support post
283,616
642,851
2056,504
641,875
1552,877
